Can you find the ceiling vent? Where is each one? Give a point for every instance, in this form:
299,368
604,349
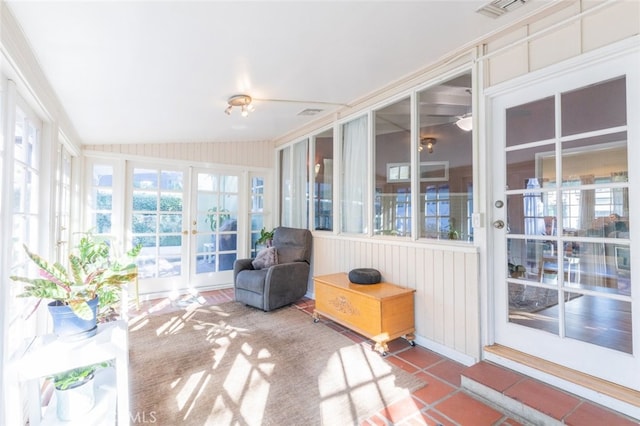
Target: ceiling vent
497,8
310,111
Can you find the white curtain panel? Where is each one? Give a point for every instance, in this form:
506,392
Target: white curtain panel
354,176
285,187
299,183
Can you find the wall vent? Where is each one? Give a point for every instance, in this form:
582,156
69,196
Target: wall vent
497,8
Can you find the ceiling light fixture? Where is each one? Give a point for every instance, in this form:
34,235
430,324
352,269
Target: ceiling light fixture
427,143
241,101
465,122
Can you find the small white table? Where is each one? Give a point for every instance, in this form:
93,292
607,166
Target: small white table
209,252
48,355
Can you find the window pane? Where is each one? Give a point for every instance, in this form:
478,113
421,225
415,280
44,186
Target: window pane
354,176
285,186
300,185
145,179
595,107
323,171
392,204
445,157
531,122
600,156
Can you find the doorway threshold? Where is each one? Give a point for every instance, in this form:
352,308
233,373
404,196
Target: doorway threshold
603,392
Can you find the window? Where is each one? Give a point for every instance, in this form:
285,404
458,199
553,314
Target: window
445,156
26,207
392,203
353,195
323,181
294,185
396,169
257,209
100,200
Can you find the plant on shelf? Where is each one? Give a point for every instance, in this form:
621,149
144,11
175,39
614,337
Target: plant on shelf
75,391
91,285
452,233
266,237
75,377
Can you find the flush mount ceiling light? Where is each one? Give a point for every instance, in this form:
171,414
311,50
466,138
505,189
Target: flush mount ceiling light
427,143
241,101
465,122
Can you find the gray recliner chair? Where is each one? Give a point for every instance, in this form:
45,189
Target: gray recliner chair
282,283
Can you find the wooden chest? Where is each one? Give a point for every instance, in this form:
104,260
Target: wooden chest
380,311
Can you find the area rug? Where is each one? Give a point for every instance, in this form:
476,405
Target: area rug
230,364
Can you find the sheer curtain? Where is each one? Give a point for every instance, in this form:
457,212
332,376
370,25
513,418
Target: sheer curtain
299,185
285,186
533,210
354,176
587,202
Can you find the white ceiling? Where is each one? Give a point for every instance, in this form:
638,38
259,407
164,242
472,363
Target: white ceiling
161,71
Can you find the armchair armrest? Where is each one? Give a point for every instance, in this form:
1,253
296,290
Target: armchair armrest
285,282
241,265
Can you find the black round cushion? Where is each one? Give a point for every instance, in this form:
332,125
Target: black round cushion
364,276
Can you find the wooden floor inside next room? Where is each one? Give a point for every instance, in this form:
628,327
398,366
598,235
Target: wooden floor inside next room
443,401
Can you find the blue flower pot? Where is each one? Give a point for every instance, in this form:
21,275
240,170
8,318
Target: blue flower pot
68,326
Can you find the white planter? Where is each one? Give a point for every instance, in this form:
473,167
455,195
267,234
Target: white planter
75,402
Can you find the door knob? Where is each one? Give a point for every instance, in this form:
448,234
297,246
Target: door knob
498,224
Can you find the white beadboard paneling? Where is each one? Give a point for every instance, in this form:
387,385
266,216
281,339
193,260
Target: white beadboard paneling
554,47
510,63
625,14
571,38
472,322
445,279
251,154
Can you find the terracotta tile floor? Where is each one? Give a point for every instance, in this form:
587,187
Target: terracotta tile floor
442,402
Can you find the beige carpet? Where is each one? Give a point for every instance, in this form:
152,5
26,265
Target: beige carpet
233,365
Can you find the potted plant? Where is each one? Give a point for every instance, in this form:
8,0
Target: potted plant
266,237
516,271
216,217
75,391
78,295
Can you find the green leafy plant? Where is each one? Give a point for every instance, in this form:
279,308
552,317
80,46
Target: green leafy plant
69,379
93,271
265,236
216,217
452,232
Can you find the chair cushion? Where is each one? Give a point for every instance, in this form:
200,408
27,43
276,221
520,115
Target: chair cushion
364,276
291,254
293,244
266,258
251,280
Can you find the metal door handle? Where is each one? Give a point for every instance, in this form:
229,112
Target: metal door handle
498,224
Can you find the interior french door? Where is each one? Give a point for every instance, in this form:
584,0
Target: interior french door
563,219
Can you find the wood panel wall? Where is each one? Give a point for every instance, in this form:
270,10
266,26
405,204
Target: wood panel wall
445,279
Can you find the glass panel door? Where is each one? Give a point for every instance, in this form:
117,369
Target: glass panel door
157,210
214,227
562,226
